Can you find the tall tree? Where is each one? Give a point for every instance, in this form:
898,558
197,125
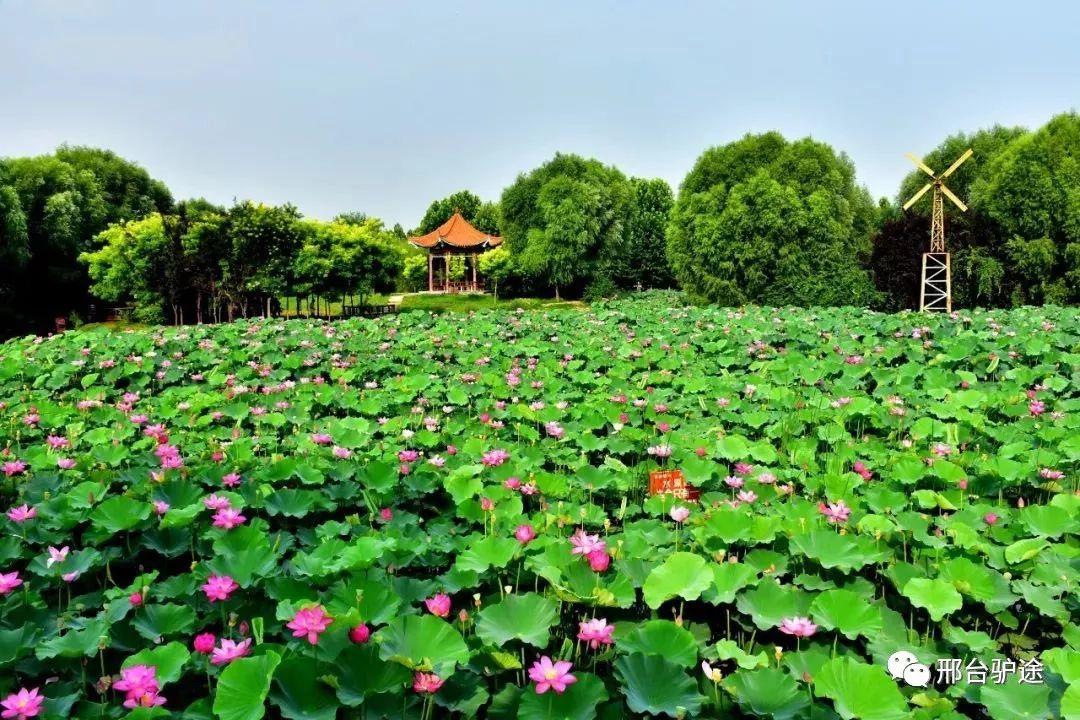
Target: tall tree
1032,191
640,256
484,216
559,220
765,220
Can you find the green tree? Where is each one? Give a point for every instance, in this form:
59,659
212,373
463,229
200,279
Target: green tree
262,242
483,216
1032,191
496,266
641,254
562,219
765,220
134,261
65,199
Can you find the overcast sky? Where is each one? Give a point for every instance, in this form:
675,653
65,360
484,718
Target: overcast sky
385,106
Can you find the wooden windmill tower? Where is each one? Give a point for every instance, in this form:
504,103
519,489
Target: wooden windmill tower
935,292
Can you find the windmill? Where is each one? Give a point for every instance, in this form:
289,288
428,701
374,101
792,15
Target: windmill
935,292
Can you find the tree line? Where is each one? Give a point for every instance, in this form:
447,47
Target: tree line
763,219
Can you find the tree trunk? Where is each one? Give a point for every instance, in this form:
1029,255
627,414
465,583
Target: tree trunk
556,293
268,298
198,307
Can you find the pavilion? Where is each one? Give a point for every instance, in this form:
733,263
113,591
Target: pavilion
454,238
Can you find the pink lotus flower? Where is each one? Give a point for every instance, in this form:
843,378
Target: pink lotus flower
310,622
408,456
438,461
136,598
836,512
22,513
451,450
230,480
743,468
512,483
13,467
360,634
8,582
584,543
1036,408
747,496
766,478
438,605
990,518
229,651
386,514
528,488
426,683
599,560
596,632
525,534
342,453
141,685
219,587
679,513
65,463
495,458
550,675
798,626
321,439
733,482
22,705
204,643
1051,474
227,518
161,507
56,442
486,504
216,502
660,451
57,556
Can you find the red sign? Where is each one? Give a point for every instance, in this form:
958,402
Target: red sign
672,482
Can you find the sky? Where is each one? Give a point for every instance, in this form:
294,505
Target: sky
383,107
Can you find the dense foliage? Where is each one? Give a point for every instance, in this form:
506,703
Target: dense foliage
237,263
484,216
765,220
51,206
446,515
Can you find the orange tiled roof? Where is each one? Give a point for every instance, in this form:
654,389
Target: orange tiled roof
456,232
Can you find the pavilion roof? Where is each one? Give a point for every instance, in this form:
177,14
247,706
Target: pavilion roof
456,232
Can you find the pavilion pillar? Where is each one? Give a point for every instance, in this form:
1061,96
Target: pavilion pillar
474,271
430,272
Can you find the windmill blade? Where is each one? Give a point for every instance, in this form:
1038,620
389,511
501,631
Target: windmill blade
955,199
918,195
958,163
920,164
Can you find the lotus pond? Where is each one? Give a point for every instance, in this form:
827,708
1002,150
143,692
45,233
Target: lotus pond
448,516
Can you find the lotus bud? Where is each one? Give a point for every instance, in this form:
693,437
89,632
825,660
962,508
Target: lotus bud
463,617
778,653
807,677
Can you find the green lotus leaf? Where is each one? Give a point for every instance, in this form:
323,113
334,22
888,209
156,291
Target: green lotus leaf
860,691
657,686
298,693
728,579
362,673
661,637
684,575
154,621
118,514
847,612
1024,550
767,692
1013,700
423,642
769,603
527,618
730,650
936,596
167,659
488,552
243,686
